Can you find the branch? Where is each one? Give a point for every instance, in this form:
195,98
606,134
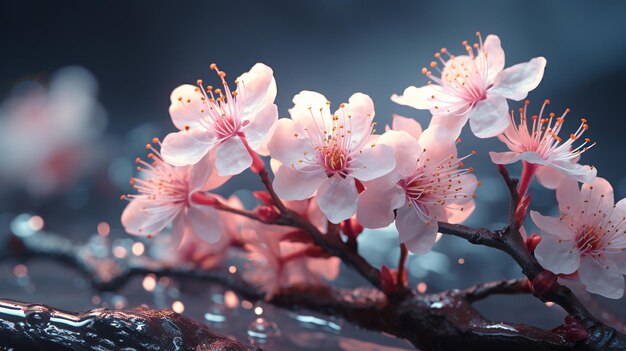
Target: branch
38,327
444,321
509,240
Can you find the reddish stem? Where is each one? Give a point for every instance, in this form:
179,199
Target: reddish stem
257,162
528,173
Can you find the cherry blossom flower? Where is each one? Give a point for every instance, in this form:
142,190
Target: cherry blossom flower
428,185
328,153
588,237
279,264
51,135
540,147
164,197
235,123
475,86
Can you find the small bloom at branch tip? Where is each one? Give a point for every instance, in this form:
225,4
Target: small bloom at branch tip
543,282
204,199
267,214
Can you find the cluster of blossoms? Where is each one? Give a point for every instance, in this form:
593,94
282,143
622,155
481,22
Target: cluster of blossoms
334,171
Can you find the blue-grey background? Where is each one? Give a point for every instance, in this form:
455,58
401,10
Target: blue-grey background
140,50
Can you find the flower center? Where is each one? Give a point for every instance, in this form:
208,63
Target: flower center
334,159
589,241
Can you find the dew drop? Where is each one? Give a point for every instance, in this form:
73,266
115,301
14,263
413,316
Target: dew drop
262,331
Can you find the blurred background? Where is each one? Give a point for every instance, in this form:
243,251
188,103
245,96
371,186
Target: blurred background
84,86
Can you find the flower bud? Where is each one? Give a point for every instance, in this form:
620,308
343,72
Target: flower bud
267,214
263,196
543,282
351,228
532,242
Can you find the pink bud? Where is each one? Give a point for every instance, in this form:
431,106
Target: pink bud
543,282
266,213
263,196
351,227
204,199
532,242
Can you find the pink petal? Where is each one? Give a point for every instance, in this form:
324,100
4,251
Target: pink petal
289,143
534,158
406,150
373,162
203,175
185,148
504,158
489,117
516,81
205,222
556,255
580,173
568,196
360,108
603,279
597,195
338,198
186,106
292,184
454,213
137,220
232,157
418,236
408,125
261,125
308,104
328,268
453,123
418,98
495,56
257,87
376,206
549,177
553,225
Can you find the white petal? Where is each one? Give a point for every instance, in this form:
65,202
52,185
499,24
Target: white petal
205,222
338,198
376,206
534,158
292,184
549,177
458,213
489,117
261,125
186,106
232,157
203,175
556,255
408,125
418,236
553,225
604,279
257,87
504,158
184,148
373,162
516,81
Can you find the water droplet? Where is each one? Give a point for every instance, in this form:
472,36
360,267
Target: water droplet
312,322
216,315
37,316
262,331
